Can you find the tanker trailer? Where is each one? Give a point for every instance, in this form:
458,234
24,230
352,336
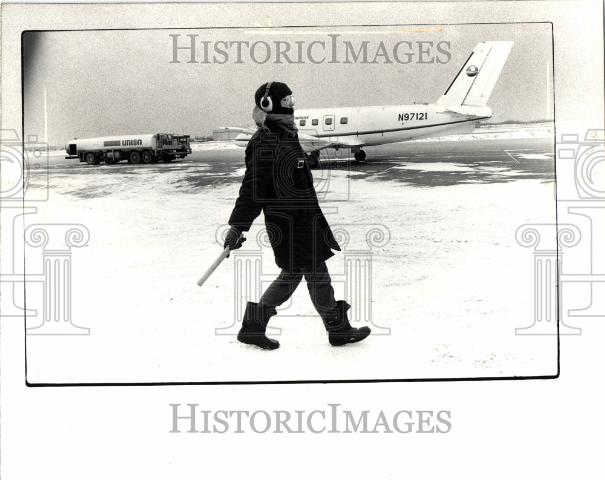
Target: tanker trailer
135,149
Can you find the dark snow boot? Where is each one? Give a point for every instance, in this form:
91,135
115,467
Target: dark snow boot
339,329
254,326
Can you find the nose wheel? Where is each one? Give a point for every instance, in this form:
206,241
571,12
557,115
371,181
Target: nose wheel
360,157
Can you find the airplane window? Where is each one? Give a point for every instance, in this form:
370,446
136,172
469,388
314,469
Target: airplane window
344,120
303,123
328,121
314,121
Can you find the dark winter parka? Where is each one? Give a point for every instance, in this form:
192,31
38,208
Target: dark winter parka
278,181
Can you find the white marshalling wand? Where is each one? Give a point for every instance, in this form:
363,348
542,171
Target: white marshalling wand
212,267
224,254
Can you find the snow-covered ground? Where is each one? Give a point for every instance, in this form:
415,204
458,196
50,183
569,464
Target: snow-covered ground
215,145
500,132
451,284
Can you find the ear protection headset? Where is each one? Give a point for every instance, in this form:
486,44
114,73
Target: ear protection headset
266,103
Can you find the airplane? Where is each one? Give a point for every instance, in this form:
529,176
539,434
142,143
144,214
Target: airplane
462,105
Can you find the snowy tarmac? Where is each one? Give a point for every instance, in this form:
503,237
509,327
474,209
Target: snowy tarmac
447,289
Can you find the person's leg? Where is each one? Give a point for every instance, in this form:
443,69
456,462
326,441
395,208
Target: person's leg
320,288
281,289
332,312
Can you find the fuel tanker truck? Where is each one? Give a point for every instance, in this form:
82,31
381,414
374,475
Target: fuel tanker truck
145,148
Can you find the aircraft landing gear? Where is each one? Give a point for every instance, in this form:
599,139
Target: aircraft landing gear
360,157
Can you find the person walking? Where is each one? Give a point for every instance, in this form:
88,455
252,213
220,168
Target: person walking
278,182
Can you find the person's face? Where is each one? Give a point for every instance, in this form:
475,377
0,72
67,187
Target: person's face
288,102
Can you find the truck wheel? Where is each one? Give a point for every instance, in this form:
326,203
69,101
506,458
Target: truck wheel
91,159
147,156
135,157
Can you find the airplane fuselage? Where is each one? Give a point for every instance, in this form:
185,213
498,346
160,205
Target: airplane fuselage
376,125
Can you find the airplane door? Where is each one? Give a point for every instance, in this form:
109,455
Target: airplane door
328,123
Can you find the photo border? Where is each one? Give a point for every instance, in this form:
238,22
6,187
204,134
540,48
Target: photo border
325,381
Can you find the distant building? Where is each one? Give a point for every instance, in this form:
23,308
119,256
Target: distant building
224,134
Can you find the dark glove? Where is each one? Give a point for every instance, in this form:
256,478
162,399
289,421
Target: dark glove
234,239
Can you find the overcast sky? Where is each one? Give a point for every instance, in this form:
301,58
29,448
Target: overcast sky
104,83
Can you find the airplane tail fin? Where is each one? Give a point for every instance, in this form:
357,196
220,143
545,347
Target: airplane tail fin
476,79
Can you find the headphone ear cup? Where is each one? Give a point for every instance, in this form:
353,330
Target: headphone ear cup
266,104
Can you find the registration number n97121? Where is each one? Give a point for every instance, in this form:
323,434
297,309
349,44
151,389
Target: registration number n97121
406,117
